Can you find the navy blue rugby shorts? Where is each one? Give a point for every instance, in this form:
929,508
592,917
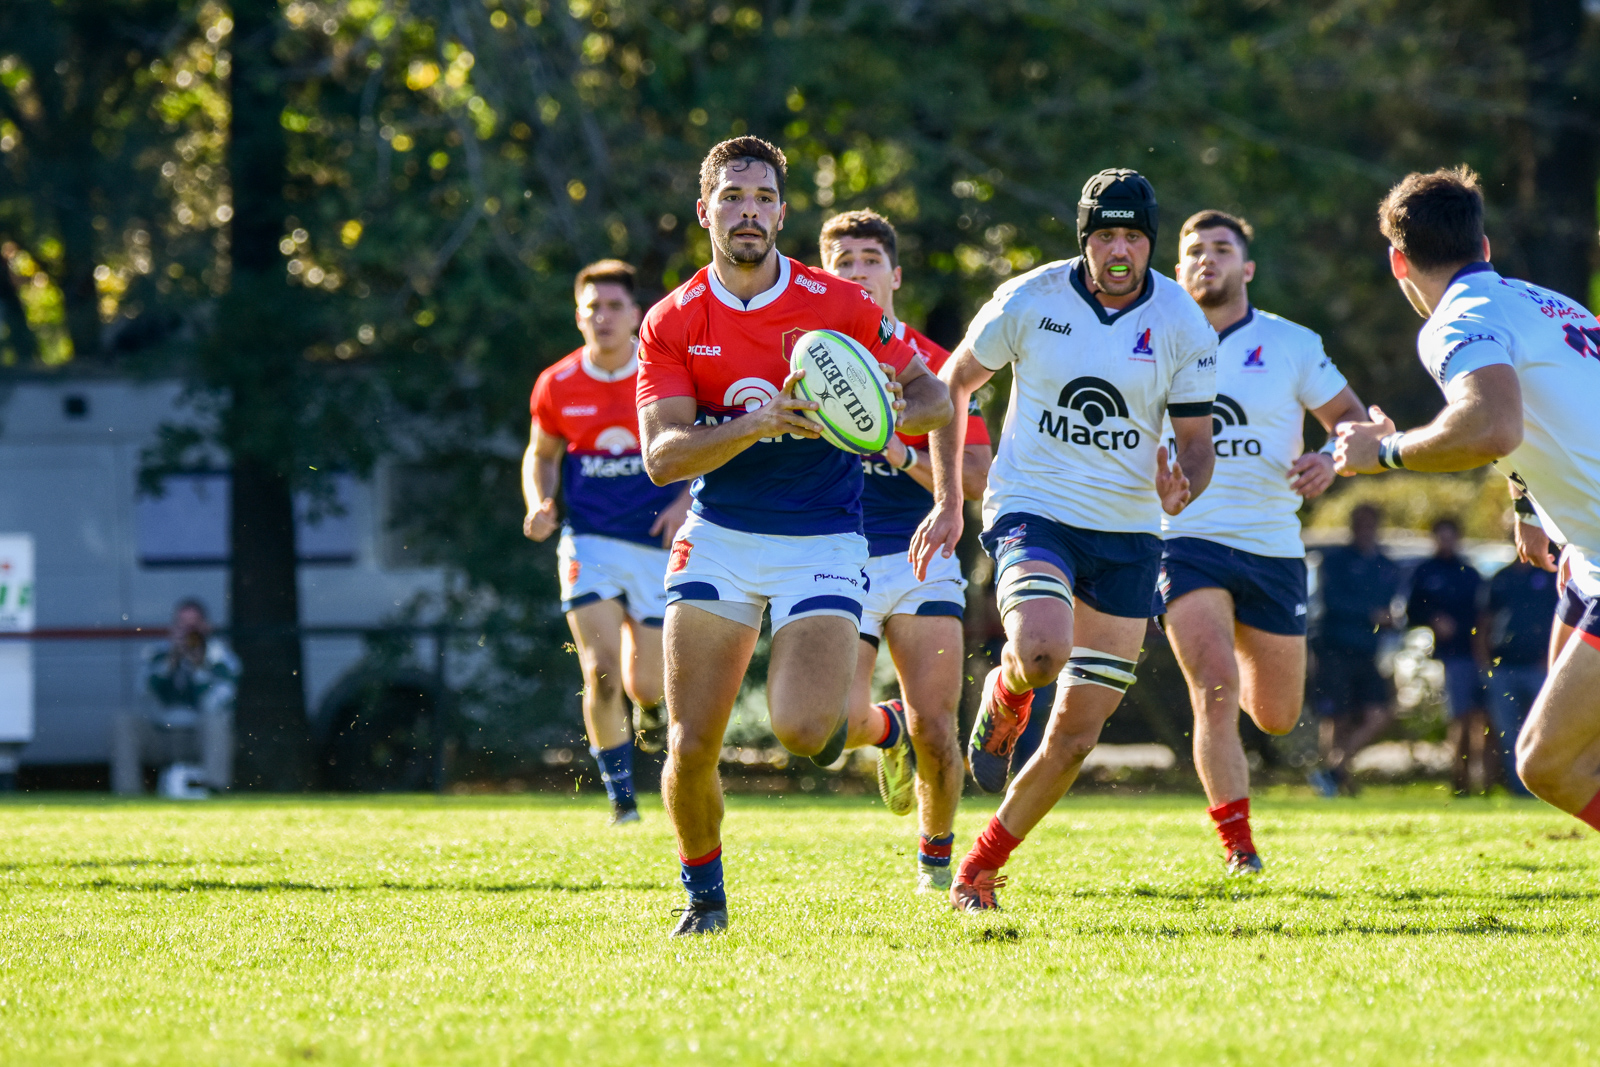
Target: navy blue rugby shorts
1113,573
1269,592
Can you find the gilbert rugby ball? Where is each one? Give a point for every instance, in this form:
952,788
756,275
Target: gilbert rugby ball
845,379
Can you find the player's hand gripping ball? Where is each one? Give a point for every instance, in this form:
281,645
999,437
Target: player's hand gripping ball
856,412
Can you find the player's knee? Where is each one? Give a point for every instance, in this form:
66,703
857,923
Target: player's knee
693,748
803,737
1540,770
1040,657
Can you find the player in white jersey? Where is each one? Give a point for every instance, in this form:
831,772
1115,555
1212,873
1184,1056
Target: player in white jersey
1101,349
1233,572
1520,368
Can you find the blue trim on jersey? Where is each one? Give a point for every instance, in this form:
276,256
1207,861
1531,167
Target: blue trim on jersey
837,603
1471,268
612,496
798,487
942,607
692,591
1108,317
1249,317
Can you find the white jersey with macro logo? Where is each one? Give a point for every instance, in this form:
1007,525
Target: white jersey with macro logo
1089,390
1554,346
1269,373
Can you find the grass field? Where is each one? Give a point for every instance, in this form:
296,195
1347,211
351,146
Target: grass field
1399,928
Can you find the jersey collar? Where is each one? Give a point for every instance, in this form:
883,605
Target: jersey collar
900,329
1249,317
760,300
1471,268
1106,316
600,374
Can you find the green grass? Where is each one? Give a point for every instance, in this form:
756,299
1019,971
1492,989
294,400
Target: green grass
1401,928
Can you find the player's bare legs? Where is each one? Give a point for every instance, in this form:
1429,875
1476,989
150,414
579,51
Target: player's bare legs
809,680
1075,723
1558,754
641,677
1228,665
927,657
706,656
1038,632
598,630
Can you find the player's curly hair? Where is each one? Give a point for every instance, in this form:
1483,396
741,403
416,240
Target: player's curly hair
1435,220
865,224
741,148
1211,218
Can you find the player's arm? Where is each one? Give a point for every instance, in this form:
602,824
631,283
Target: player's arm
1533,544
1179,483
1312,473
940,531
541,477
928,404
1481,422
676,450
672,516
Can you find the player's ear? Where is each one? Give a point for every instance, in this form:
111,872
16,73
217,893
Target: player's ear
783,212
1249,271
1486,256
1398,265
701,214
896,286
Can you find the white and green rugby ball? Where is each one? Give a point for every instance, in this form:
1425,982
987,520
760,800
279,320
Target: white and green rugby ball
841,375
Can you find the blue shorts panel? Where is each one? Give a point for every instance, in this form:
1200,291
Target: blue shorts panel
1113,573
1570,608
1269,592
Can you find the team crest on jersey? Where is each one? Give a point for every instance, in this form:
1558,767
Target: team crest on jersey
1252,359
1228,414
810,284
1141,347
690,294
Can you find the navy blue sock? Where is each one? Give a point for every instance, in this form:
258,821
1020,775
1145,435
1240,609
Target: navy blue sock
616,771
892,738
702,878
935,851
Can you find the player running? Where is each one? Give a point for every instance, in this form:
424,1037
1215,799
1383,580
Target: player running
920,761
1520,368
777,511
612,554
1101,348
1233,572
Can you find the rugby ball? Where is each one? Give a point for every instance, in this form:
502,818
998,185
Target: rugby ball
843,377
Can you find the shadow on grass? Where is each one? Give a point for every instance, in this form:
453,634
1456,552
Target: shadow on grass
200,885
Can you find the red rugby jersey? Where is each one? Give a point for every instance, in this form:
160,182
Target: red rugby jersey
892,504
603,481
703,342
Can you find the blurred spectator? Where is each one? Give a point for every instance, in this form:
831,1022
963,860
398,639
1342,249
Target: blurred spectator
1356,584
1444,598
1515,630
194,676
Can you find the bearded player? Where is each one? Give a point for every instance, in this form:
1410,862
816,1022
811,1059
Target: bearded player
1520,368
919,762
1101,348
1233,573
776,520
612,555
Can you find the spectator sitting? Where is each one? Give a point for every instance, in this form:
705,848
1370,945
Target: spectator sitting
1515,626
1444,598
1356,584
194,676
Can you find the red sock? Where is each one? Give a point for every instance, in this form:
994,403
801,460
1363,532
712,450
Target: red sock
888,725
1017,702
1233,825
1591,812
989,852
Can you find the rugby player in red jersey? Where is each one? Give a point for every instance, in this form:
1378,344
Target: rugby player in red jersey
613,554
776,520
920,762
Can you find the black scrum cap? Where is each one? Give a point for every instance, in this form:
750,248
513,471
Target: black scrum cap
1117,197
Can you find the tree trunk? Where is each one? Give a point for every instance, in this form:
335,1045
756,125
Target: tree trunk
255,360
19,335
1559,233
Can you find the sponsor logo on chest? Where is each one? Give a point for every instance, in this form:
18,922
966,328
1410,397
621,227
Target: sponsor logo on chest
1047,323
1094,414
705,350
611,466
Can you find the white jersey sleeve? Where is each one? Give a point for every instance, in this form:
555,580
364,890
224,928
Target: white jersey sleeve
993,335
1195,351
1471,341
1320,380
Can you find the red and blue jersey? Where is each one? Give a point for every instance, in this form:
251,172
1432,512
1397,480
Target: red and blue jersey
732,357
892,503
602,474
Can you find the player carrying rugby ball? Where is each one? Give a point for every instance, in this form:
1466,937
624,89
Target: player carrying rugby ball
777,512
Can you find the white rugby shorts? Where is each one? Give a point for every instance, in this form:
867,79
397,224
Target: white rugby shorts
737,575
896,591
593,567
